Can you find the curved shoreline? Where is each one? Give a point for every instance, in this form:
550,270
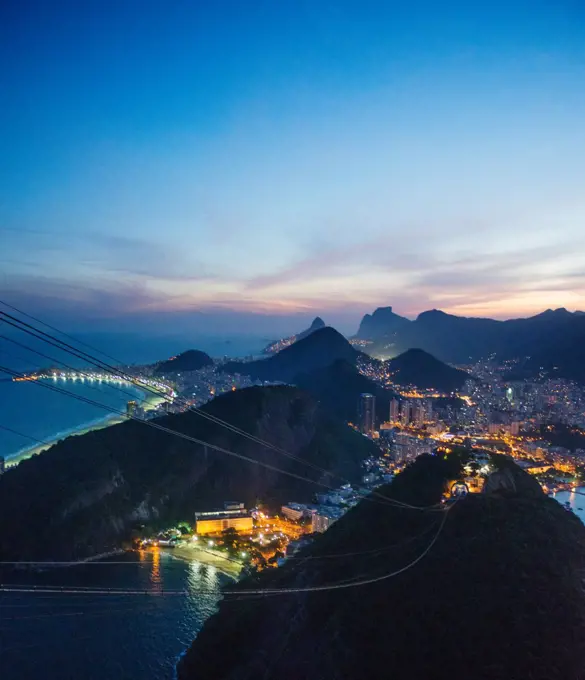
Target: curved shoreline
228,566
148,402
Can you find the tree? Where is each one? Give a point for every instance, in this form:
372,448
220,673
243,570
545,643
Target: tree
230,538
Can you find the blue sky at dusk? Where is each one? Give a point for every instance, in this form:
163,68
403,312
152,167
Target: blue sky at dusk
241,164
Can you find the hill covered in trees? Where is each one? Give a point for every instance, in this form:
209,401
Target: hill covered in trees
419,368
338,388
490,590
191,360
86,494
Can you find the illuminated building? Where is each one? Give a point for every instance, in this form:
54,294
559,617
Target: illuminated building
394,410
367,412
405,413
216,522
418,415
2,465
324,518
131,407
294,511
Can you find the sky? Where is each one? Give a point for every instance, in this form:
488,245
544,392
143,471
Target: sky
241,166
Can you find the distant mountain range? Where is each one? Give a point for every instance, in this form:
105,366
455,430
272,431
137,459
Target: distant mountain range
277,345
554,338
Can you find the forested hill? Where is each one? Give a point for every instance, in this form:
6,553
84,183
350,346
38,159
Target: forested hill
497,596
318,350
191,360
86,494
419,368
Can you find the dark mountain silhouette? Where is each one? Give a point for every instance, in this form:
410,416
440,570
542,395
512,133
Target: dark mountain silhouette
383,323
417,367
191,360
317,350
549,337
491,590
85,495
316,324
338,388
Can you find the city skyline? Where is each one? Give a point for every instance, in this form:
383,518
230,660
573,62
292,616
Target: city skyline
234,167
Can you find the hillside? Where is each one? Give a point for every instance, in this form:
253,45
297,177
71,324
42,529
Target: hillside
553,338
319,349
86,494
421,369
338,388
191,360
497,596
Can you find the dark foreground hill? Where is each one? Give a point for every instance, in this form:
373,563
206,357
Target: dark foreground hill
191,360
319,349
419,368
490,591
88,493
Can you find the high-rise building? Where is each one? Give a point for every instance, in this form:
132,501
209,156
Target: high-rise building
367,413
131,407
2,465
418,415
394,410
405,413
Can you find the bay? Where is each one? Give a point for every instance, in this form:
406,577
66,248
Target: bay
96,636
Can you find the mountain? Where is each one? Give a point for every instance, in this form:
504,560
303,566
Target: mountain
316,324
86,495
191,360
549,336
277,345
338,386
317,350
383,323
491,590
421,369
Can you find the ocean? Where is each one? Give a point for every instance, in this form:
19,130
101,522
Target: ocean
41,414
90,636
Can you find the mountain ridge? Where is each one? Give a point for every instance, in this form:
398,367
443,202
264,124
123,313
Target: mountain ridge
460,340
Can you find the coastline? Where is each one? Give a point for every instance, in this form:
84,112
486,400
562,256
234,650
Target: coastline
191,553
148,402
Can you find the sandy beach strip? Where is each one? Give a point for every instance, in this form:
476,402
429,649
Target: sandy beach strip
149,402
194,553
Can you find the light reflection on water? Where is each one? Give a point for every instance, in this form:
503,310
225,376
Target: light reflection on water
106,636
575,499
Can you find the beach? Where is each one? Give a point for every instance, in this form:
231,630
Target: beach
148,402
191,552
